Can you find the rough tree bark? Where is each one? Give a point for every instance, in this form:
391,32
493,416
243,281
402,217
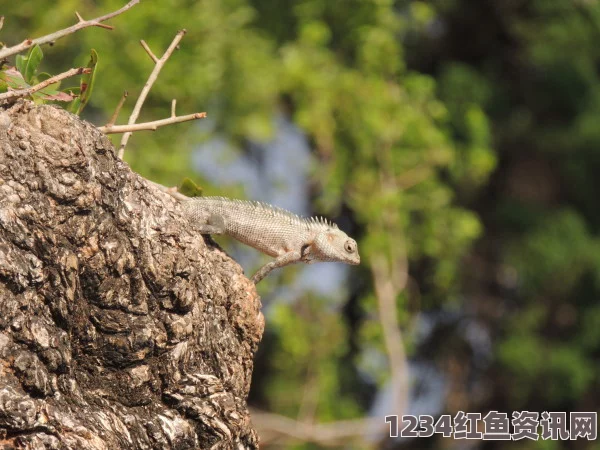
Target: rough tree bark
119,327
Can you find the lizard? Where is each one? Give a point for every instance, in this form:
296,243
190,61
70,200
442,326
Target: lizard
279,233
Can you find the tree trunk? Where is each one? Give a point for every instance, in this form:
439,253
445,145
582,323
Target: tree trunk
119,327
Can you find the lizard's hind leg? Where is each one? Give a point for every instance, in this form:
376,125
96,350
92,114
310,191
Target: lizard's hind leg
215,224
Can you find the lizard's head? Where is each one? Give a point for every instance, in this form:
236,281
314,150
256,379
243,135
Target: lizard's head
335,245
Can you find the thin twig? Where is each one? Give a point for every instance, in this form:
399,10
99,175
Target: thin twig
152,55
151,79
172,191
173,106
1,22
152,126
38,87
113,118
9,51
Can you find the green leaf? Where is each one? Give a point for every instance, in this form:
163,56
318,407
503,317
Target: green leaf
189,188
33,61
51,93
11,78
21,62
86,85
28,65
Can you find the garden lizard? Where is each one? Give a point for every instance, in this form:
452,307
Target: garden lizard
278,233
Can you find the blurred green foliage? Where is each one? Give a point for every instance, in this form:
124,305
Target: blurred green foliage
410,106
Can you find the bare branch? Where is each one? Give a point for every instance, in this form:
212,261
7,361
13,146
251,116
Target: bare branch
152,55
9,51
1,22
100,25
173,106
414,176
390,276
310,395
151,79
38,87
387,292
113,118
113,129
272,427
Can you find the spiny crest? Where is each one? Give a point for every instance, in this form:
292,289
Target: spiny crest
321,221
275,211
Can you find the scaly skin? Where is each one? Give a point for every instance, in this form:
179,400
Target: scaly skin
274,231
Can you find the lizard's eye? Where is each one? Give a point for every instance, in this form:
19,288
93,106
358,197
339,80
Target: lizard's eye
350,246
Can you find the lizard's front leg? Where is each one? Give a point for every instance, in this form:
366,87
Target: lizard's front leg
280,261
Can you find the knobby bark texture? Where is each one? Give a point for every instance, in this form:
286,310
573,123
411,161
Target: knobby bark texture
120,328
